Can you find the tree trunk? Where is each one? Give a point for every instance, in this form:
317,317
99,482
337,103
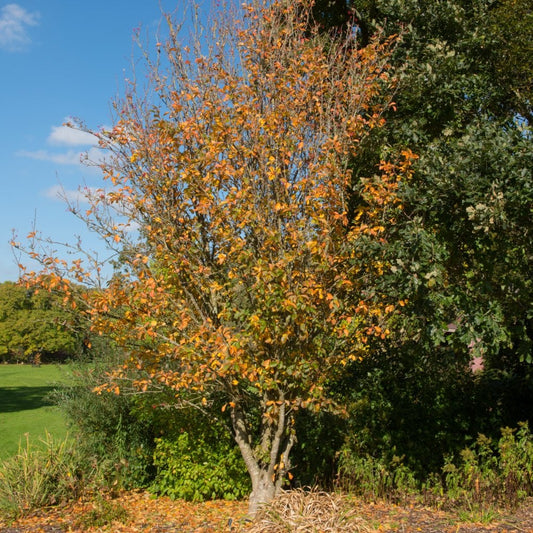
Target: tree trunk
267,463
263,490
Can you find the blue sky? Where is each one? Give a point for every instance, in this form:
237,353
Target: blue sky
59,59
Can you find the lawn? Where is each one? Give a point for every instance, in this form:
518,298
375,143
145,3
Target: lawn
24,408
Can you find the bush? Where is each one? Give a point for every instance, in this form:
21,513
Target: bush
314,457
199,468
374,478
138,441
41,475
112,436
485,475
489,473
110,428
418,410
424,405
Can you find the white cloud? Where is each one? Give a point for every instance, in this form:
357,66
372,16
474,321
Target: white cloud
57,192
93,156
14,21
66,136
66,158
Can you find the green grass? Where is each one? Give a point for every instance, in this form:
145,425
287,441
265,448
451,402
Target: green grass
24,408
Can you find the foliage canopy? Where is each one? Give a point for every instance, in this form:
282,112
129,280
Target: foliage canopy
35,324
245,278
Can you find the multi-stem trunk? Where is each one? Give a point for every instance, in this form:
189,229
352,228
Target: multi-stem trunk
268,462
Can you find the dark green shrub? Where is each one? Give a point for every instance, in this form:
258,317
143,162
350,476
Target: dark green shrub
424,406
374,478
417,408
110,428
490,473
200,467
314,457
113,436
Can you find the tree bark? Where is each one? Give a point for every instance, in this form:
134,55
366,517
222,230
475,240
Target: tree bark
263,491
268,463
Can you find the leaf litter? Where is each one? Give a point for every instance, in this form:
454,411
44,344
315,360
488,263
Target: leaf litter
298,511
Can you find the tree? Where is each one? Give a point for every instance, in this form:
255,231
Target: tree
459,255
34,325
244,279
467,119
461,58
511,22
12,303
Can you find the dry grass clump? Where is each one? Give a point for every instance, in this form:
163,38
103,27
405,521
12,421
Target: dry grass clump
308,511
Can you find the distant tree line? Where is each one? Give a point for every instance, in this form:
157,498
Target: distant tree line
35,327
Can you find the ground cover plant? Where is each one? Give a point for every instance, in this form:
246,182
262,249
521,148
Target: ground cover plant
25,406
484,478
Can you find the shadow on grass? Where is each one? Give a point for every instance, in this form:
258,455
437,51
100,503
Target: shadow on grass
14,399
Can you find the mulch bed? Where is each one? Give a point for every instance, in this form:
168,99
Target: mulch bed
132,512
429,520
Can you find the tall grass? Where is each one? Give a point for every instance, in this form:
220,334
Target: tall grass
41,475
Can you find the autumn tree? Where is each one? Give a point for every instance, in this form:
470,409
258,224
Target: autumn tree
238,270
